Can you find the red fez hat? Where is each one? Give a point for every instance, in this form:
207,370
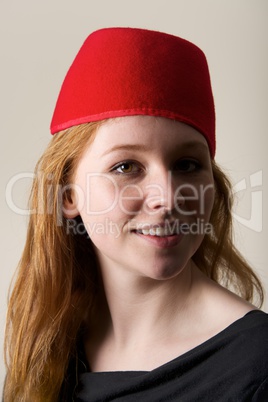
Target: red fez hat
130,71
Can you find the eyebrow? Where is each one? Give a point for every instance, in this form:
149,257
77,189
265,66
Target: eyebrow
142,148
126,147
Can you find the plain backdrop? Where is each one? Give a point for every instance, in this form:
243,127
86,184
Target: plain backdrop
39,40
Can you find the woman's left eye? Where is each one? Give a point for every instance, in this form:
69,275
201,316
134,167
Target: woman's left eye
126,168
187,165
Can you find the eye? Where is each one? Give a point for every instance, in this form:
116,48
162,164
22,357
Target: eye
127,167
187,165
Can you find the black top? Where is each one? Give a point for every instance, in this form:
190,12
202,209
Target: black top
231,366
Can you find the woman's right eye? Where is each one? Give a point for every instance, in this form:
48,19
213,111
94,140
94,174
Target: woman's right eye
126,168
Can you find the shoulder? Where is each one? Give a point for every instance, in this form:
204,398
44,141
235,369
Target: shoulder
223,307
235,361
253,329
245,343
245,352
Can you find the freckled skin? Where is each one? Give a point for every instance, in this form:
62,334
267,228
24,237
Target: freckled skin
139,170
143,171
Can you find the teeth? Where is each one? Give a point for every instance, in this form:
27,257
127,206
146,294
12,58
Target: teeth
162,231
158,231
145,232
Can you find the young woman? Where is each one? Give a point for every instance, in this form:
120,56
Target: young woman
121,293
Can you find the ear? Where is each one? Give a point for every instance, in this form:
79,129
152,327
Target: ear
69,208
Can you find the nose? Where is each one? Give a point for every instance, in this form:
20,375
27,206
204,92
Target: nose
162,193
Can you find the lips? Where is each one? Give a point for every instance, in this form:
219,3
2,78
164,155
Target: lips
162,235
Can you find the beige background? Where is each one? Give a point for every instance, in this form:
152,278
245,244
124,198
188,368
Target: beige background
38,42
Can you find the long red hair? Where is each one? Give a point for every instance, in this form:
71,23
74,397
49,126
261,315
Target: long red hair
57,275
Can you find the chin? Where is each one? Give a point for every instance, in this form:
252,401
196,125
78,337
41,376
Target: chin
165,272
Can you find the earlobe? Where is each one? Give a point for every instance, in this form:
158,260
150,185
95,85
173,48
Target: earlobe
69,208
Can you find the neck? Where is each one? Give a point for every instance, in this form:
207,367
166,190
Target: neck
138,308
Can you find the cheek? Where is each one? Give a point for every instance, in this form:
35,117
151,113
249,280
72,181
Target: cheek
130,199
206,200
99,195
107,205
107,198
198,200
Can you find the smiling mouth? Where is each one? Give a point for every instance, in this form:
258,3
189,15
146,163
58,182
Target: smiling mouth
162,231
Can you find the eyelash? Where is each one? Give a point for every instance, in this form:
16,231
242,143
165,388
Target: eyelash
179,166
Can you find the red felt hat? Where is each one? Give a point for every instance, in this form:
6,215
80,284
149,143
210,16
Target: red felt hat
131,71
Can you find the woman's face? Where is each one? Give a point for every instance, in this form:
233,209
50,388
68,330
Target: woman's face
144,189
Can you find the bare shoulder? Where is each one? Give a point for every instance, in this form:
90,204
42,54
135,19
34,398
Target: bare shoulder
223,306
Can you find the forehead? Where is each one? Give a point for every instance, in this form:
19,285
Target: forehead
154,132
